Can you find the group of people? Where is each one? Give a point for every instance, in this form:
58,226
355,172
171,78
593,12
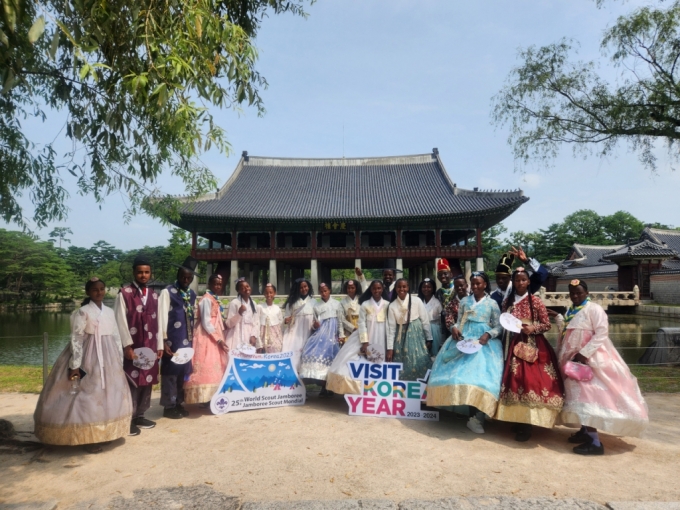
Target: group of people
100,387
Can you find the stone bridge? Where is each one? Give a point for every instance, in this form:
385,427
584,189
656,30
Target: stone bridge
603,298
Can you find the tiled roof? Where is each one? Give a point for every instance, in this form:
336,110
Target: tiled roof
641,249
586,255
281,189
671,238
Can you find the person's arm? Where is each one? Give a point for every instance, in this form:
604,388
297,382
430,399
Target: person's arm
116,335
163,312
363,330
233,317
343,318
362,279
205,309
542,323
424,320
256,324
78,323
600,325
120,314
340,313
495,321
390,328
450,318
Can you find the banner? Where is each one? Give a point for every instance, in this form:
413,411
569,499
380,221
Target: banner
383,395
258,381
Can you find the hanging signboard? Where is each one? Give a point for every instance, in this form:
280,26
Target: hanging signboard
383,395
258,381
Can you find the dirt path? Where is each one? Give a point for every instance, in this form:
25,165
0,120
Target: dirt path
318,452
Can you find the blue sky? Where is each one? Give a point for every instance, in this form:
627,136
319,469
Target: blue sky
403,77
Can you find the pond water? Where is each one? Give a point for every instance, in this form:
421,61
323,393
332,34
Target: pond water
21,335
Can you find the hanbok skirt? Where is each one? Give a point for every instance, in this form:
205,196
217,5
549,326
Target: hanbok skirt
531,393
611,401
411,351
295,337
272,340
208,366
94,414
339,378
459,379
320,351
436,329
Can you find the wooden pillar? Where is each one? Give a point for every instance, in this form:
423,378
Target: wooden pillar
194,236
479,242
357,243
399,243
438,242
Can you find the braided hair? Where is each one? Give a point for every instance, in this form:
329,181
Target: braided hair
408,295
239,284
367,294
511,298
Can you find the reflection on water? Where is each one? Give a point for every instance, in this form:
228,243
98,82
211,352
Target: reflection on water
630,333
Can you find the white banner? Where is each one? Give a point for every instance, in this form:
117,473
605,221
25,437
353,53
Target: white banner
383,395
258,381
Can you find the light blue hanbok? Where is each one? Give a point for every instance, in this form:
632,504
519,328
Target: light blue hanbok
459,379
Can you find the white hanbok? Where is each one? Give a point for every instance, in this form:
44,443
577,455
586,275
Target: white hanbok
300,328
371,331
350,314
242,327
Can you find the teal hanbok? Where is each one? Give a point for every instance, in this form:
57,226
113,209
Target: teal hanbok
459,379
408,330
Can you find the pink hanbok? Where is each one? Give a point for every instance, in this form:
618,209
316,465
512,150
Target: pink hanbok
240,328
210,359
611,401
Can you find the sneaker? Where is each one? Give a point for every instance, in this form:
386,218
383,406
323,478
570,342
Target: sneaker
143,423
589,449
172,413
475,425
134,429
181,410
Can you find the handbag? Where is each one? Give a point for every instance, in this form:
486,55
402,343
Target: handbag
526,352
578,371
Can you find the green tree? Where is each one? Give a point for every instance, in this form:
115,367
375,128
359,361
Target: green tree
551,100
135,79
60,233
621,226
493,246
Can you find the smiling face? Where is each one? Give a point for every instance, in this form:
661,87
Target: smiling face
520,283
304,289
376,291
427,289
142,275
388,277
184,278
325,292
269,294
478,286
445,278
402,289
244,290
577,294
96,293
351,289
460,287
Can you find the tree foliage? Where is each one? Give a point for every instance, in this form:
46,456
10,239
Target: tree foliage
135,78
551,99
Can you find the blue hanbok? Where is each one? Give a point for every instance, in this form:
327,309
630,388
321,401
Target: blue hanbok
459,379
323,345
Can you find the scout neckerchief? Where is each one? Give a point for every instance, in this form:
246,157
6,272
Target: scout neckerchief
188,308
573,310
447,293
218,301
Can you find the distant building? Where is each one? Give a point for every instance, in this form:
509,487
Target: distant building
277,217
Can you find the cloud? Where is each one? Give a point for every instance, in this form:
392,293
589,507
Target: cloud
257,365
243,364
281,364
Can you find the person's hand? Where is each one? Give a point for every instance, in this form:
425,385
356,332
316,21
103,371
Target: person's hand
224,346
528,329
129,353
580,358
168,351
455,333
363,348
316,324
551,313
341,341
519,253
428,346
74,373
484,339
159,354
242,309
260,350
287,320
358,272
388,355
253,341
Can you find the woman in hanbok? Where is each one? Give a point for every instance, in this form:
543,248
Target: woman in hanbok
323,345
532,392
367,342
408,332
474,380
86,399
210,350
298,317
243,321
271,321
350,306
426,291
611,400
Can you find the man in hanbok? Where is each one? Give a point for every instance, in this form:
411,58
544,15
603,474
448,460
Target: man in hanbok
136,312
538,274
176,308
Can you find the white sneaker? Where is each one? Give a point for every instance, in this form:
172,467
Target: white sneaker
475,425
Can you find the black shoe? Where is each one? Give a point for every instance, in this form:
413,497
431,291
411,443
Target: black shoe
134,429
172,413
143,423
589,449
523,433
579,437
181,410
324,393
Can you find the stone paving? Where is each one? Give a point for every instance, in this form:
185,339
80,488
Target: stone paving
206,498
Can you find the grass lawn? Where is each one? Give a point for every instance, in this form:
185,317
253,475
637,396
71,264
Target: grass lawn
28,379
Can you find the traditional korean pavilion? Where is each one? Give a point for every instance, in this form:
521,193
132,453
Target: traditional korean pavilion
277,217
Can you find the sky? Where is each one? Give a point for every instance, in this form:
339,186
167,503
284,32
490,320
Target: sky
397,77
